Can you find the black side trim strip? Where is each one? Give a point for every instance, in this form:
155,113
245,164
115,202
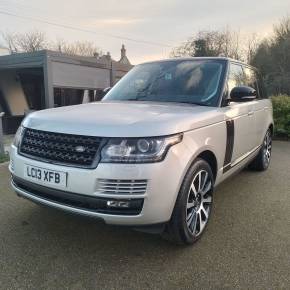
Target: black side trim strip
227,168
230,166
230,124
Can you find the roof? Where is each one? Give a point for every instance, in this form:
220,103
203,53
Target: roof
38,58
22,59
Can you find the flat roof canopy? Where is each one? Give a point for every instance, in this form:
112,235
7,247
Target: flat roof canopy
66,71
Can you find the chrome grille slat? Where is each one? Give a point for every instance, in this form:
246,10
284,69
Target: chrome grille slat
124,192
122,181
123,184
124,187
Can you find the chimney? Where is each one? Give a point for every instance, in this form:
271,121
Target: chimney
108,56
123,51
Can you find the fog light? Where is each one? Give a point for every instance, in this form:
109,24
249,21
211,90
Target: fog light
118,204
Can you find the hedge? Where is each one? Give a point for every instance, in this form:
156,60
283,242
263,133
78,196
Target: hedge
281,111
4,158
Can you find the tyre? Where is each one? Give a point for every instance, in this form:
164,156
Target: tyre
193,205
262,160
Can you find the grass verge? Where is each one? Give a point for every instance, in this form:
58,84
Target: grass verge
4,158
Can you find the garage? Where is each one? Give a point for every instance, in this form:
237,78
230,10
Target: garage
48,79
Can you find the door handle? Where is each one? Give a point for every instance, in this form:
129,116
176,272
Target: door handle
251,113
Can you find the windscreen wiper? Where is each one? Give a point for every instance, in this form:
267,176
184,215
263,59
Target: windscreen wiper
189,103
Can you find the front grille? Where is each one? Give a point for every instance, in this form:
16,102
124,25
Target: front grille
60,148
126,187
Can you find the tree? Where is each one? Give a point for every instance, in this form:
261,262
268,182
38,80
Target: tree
83,48
25,42
10,42
252,44
211,43
273,58
36,40
282,30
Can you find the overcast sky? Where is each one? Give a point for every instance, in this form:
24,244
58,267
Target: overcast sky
165,22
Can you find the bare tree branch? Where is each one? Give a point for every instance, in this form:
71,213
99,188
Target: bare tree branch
26,42
211,43
35,40
251,47
83,48
9,39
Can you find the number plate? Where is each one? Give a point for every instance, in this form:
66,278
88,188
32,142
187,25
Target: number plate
45,176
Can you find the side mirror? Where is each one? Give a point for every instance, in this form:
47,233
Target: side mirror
243,94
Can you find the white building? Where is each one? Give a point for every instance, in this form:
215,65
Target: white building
3,51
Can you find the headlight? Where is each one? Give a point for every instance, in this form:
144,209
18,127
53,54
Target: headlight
138,150
18,136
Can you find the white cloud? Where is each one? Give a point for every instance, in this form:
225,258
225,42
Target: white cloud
110,22
162,21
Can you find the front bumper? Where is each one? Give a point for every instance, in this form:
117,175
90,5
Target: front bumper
156,204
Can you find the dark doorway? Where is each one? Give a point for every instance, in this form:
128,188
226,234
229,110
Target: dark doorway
68,97
33,86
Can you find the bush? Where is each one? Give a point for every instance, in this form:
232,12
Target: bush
4,158
281,110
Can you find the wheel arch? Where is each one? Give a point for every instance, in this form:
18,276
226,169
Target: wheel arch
210,158
207,155
271,127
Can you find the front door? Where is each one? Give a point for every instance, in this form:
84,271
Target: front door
261,105
240,122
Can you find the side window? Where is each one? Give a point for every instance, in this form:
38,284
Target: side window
245,76
251,80
236,76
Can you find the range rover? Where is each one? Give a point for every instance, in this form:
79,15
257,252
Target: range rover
150,154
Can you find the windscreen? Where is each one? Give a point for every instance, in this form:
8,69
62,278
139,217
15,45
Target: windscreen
188,81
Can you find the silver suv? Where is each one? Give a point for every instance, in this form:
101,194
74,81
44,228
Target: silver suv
150,154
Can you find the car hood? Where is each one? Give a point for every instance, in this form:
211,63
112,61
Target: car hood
124,119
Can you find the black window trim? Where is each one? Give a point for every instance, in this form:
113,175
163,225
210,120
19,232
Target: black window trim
225,93
259,93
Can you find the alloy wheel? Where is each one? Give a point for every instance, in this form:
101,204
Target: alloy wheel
199,202
267,148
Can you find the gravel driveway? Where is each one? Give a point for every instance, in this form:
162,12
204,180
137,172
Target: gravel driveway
246,245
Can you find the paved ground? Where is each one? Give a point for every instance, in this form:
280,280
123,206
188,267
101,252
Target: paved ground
246,246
